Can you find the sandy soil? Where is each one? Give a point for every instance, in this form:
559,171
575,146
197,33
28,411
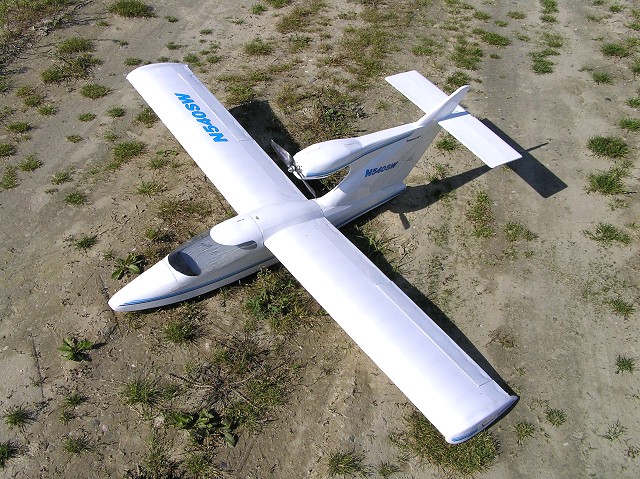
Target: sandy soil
548,297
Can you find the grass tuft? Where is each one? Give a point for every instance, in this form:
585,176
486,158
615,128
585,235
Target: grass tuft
30,163
18,417
131,9
524,430
346,463
606,234
9,179
607,182
8,450
94,91
609,146
481,216
556,417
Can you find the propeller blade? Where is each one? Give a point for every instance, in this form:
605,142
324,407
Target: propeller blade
284,155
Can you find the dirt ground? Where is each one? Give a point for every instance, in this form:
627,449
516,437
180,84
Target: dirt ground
538,312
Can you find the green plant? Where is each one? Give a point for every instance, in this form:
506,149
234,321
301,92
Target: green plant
73,349
346,463
77,444
75,198
74,399
387,469
447,143
556,417
7,149
456,80
94,91
8,450
171,19
468,459
602,78
9,178
86,117
132,62
634,102
125,151
516,231
150,188
47,110
467,55
631,124
116,112
30,163
18,127
74,45
143,392
492,38
18,417
481,216
60,177
609,146
617,50
146,117
258,8
74,138
204,425
516,15
131,9
524,430
606,234
615,431
132,264
607,182
85,242
621,307
257,46
624,364
181,331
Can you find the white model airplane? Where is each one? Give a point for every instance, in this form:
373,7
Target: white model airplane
276,222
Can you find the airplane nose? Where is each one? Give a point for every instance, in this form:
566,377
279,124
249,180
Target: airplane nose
152,286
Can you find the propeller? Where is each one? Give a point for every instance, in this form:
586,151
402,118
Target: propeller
290,163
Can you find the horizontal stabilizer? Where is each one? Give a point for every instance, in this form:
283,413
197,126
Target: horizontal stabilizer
479,139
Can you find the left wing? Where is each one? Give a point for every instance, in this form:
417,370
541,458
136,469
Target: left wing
241,170
450,389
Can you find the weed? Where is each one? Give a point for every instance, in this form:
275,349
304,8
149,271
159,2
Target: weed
5,85
181,331
278,3
467,55
606,234
143,392
18,417
171,19
492,38
85,242
481,216
609,146
94,91
257,47
556,417
297,43
632,451
192,59
621,307
132,264
74,45
631,124
300,17
614,431
173,46
447,143
602,78
516,231
18,127
75,350
524,430
132,62
206,425
607,182
131,9
427,47
258,8
462,460
60,177
202,464
77,444
617,50
146,117
506,340
150,188
343,463
8,450
30,163
7,149
125,151
456,80
516,15
387,469
47,110
87,117
111,137
74,399
116,112
483,16
9,178
624,364
75,198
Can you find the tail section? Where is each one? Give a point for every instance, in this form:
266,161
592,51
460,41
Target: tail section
467,129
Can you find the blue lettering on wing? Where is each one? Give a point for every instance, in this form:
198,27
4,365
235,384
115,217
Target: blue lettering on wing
201,117
380,169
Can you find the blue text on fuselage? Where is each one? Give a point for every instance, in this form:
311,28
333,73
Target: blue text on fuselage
380,169
201,117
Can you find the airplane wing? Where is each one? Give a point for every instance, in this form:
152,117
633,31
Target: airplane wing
441,380
226,153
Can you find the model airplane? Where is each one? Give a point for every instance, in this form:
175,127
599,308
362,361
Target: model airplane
276,222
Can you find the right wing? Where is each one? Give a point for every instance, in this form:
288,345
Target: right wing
450,389
241,170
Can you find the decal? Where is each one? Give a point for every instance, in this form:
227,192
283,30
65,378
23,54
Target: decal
201,117
373,171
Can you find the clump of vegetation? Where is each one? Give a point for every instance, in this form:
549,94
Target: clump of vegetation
74,45
456,80
462,460
73,349
86,116
131,9
504,339
18,417
631,124
427,47
85,242
205,426
524,430
150,188
7,149
125,151
116,112
602,78
74,138
74,60
132,264
481,216
447,143
607,182
258,47
184,328
620,307
615,431
60,177
94,91
346,463
618,50
556,417
9,178
466,54
516,231
492,38
609,146
606,234
77,444
143,392
18,127
625,364
8,450
30,163
75,198
132,62
146,117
